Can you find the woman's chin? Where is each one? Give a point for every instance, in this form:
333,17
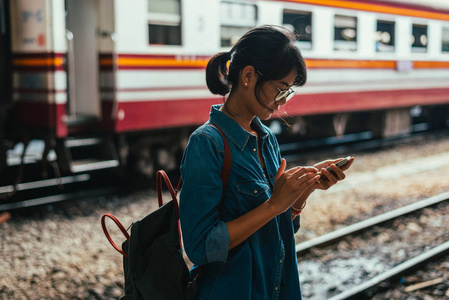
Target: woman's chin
266,116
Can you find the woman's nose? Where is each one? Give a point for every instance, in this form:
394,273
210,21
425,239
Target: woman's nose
282,101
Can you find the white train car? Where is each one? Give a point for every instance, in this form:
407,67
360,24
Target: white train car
128,76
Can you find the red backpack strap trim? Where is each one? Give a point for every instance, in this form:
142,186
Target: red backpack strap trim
162,175
226,169
106,232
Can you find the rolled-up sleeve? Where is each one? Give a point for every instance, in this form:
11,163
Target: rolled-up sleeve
205,236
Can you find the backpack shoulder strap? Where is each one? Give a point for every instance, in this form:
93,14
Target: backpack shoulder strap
226,169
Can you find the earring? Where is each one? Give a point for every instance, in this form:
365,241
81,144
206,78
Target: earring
246,83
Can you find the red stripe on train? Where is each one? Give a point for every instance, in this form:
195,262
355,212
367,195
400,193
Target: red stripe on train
153,115
163,114
173,113
312,104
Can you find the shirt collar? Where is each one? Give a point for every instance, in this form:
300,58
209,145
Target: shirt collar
233,131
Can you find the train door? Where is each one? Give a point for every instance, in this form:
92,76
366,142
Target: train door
5,55
82,23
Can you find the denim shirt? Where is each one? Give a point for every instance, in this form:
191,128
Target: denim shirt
264,266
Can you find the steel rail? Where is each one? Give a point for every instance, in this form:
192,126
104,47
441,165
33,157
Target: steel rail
58,198
363,290
44,183
339,233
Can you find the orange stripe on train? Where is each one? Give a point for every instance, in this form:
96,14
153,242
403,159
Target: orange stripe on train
388,9
130,62
38,62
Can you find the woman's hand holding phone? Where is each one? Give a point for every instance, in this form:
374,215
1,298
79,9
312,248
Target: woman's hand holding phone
332,171
290,184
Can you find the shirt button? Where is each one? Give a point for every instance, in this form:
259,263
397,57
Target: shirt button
254,149
255,191
264,175
280,261
276,288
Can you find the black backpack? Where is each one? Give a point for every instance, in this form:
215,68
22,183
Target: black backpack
153,261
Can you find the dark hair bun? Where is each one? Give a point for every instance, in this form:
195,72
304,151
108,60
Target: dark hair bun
217,74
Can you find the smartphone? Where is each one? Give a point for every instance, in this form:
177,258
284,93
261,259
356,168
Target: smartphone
339,164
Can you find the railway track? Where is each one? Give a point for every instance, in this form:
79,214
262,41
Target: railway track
365,290
41,192
370,285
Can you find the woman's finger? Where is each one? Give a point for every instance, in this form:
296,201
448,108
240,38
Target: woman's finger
281,169
328,176
348,165
308,178
303,170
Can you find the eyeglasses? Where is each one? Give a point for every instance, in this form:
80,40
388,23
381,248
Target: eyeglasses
287,93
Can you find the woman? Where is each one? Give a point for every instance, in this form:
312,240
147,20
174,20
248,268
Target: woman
244,248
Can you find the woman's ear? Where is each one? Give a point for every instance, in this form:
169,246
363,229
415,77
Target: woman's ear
248,76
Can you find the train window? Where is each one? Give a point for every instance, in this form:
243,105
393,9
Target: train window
164,34
300,22
236,19
345,37
445,44
164,22
231,34
164,6
419,38
385,36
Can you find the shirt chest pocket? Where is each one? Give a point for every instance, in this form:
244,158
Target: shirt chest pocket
251,194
